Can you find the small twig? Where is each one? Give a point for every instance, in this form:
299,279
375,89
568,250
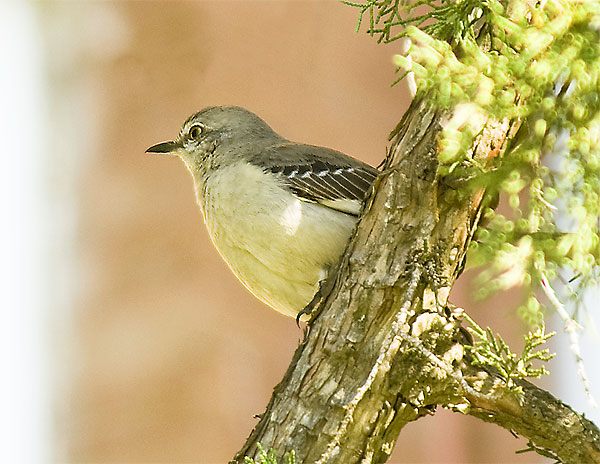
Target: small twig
541,451
571,328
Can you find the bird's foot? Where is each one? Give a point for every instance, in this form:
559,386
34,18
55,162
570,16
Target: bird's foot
313,308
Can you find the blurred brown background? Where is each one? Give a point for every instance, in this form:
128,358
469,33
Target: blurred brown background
162,355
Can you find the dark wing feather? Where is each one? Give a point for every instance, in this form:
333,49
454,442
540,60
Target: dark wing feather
319,174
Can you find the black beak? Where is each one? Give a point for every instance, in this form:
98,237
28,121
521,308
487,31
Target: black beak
165,147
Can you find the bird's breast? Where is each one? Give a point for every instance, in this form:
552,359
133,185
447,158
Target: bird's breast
275,243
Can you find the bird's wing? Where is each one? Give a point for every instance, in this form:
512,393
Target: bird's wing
321,175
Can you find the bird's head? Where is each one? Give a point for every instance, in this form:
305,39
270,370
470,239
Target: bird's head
215,131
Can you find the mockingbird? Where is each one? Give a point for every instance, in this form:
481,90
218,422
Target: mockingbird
280,213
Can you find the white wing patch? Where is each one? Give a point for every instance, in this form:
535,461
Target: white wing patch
346,206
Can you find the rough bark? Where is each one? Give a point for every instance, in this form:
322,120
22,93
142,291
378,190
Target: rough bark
386,348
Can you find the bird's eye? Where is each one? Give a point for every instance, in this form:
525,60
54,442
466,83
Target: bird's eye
195,131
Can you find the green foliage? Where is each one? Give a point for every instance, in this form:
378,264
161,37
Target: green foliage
533,66
388,18
270,457
491,350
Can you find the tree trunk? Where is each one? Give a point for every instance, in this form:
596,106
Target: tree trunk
386,348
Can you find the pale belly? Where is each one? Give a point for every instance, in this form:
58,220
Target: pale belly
277,245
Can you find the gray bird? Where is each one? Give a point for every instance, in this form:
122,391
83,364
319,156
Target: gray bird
280,213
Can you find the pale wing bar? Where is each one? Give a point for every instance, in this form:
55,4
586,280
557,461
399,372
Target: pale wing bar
341,184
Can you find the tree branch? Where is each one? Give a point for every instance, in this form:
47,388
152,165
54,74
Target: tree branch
534,414
386,348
